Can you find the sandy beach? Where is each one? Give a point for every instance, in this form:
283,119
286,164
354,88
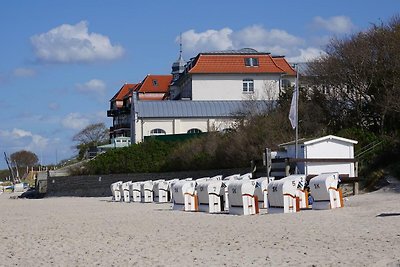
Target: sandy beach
69,231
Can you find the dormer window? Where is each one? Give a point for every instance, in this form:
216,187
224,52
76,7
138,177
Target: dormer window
155,83
251,62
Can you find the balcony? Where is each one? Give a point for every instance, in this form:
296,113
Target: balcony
112,113
120,111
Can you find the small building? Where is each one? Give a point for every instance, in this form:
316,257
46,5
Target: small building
325,154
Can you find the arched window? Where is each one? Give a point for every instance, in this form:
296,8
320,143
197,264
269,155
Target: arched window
194,130
157,131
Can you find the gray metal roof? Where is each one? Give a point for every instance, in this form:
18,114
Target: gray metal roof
198,109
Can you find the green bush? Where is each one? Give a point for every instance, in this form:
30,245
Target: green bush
149,156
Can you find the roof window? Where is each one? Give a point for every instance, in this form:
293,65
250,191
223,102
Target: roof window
155,83
251,62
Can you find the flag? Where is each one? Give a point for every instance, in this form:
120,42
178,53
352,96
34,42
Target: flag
293,110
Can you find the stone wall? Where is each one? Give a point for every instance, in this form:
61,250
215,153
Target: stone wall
99,185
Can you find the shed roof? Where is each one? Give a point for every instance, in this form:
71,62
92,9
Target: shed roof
197,109
309,141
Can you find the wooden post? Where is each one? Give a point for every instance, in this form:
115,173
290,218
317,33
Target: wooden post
355,184
355,188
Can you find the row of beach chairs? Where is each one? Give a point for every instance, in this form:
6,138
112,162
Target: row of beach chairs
236,194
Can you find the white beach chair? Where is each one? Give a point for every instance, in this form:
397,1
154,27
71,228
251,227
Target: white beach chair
135,192
246,176
262,191
184,196
126,191
156,190
324,190
211,196
115,191
227,180
146,191
242,200
284,194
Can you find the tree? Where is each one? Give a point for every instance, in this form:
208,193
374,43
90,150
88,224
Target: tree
24,158
360,79
92,135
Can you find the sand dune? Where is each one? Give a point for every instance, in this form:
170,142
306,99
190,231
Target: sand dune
94,231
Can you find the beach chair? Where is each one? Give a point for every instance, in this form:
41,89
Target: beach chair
216,178
262,191
284,194
115,191
211,196
156,190
227,180
246,176
242,200
146,191
126,191
136,192
324,190
184,196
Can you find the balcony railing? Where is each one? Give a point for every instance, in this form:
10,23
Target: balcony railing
120,111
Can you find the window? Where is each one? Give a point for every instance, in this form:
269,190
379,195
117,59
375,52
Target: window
194,130
155,83
157,131
251,62
248,85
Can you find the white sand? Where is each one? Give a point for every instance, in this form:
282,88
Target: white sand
94,231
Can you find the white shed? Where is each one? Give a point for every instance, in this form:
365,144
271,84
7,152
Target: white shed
324,154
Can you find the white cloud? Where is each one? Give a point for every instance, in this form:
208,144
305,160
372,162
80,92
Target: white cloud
307,54
93,86
207,40
75,121
24,72
275,41
73,43
22,139
337,24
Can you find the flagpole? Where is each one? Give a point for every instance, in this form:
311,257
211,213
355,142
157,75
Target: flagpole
297,115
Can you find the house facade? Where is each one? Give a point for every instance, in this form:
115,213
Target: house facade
205,94
152,87
232,75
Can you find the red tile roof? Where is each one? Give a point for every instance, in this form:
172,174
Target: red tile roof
227,63
155,84
119,96
152,97
283,64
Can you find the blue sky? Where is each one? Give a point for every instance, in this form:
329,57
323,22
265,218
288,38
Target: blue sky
61,61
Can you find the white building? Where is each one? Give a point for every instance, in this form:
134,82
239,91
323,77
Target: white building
180,117
232,75
210,92
325,154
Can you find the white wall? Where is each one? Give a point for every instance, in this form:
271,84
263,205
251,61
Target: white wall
325,149
230,86
330,149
